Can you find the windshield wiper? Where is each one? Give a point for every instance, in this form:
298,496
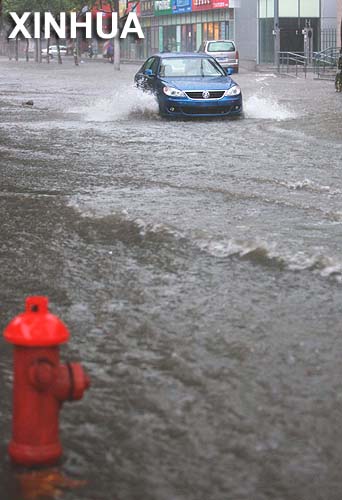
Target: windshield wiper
202,72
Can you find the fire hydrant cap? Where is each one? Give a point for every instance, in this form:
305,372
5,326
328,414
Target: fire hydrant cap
36,327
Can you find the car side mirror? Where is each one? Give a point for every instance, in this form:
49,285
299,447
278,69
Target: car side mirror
148,72
230,71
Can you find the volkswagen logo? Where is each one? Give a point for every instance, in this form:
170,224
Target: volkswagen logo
206,94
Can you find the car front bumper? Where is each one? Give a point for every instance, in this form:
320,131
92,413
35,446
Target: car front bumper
185,107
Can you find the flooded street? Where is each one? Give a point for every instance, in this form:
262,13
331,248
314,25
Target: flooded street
198,267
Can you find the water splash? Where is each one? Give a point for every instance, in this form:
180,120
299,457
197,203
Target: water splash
131,102
266,109
123,104
308,185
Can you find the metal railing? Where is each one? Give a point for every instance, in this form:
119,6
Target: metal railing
325,63
292,63
322,64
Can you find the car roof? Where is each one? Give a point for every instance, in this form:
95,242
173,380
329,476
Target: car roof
174,55
223,40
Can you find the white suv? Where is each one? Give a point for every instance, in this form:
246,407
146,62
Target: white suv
224,51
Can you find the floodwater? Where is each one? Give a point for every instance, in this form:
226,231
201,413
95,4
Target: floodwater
198,267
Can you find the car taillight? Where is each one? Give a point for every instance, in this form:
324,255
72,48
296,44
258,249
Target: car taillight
237,54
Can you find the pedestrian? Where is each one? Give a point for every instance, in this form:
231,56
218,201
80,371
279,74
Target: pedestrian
110,52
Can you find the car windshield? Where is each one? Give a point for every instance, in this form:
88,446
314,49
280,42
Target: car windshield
221,47
189,66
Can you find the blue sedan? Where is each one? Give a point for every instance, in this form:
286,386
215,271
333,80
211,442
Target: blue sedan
189,85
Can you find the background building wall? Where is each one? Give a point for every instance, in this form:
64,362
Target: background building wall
246,31
339,17
328,14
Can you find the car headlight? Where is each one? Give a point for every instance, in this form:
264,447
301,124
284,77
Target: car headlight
235,90
172,92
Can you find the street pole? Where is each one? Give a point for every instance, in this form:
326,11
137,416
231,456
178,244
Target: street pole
276,33
39,49
116,42
117,53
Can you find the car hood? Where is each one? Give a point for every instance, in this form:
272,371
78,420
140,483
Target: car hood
198,83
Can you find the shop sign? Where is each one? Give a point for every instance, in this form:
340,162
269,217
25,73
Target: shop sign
162,7
133,6
147,8
103,7
201,5
220,4
181,6
209,4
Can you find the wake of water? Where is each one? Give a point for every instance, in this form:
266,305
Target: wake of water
128,102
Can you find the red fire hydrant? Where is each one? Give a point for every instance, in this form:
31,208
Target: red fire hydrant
41,383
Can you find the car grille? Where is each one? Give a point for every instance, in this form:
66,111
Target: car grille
200,110
198,94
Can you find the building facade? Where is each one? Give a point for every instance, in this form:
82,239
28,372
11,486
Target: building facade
294,17
339,23
182,25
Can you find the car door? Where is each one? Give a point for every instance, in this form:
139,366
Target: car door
147,81
151,80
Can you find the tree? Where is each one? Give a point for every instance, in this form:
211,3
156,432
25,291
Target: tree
57,6
53,6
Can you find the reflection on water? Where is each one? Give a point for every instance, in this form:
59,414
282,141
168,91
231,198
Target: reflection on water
46,484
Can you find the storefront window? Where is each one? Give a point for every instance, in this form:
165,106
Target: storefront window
262,8
182,31
291,37
189,37
266,8
270,8
288,8
216,31
309,8
205,31
169,39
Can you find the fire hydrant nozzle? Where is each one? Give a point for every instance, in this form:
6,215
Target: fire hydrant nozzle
41,383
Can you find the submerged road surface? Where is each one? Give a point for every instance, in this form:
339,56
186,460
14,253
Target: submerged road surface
198,266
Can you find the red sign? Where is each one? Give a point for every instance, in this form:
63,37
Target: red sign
220,4
103,7
201,5
133,6
209,4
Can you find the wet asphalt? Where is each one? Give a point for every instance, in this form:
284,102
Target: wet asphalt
198,267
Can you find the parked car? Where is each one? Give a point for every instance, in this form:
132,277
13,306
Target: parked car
188,85
224,51
53,51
